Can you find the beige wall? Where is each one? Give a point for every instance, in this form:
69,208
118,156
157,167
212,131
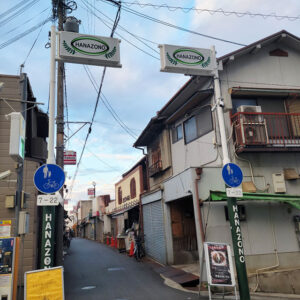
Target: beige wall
125,186
28,244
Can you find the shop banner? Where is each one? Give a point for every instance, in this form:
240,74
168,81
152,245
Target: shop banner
219,264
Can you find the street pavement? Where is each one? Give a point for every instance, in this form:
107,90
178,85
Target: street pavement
96,271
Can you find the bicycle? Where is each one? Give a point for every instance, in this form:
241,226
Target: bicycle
139,251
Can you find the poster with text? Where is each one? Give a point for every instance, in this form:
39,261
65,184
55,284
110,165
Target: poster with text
219,264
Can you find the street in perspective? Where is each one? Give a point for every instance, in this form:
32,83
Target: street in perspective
149,150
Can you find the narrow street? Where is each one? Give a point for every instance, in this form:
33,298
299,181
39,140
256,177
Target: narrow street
96,271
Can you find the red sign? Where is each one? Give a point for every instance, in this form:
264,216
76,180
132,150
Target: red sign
91,192
69,158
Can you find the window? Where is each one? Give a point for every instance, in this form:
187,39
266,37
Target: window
119,195
132,188
177,133
198,125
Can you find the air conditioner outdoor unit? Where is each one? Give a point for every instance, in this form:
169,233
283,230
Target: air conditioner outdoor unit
253,134
251,118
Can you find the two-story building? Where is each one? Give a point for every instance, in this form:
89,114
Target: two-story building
128,191
17,190
260,88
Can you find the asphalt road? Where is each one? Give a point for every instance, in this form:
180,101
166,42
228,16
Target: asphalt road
96,271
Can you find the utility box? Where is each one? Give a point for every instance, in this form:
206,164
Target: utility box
23,222
10,201
279,183
17,137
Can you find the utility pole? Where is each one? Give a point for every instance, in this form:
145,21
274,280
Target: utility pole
60,140
234,220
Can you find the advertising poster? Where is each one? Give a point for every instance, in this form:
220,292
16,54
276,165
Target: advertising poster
5,226
44,284
219,264
7,247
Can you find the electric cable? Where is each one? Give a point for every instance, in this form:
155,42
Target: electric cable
108,106
147,17
19,12
23,34
33,44
7,12
117,19
123,38
27,21
212,11
124,29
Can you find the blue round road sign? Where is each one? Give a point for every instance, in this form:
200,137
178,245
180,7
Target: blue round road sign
49,178
232,175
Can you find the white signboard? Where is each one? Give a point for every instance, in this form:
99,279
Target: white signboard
186,60
89,49
234,192
219,266
49,200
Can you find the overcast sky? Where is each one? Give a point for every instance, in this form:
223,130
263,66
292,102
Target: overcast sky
137,90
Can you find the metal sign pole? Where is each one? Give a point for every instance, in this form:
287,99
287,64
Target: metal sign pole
47,250
234,220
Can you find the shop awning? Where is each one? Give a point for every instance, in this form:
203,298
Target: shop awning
120,212
290,199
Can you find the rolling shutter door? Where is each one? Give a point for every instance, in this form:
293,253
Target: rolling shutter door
155,244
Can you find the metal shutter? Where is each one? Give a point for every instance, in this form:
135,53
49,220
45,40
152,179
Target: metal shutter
155,243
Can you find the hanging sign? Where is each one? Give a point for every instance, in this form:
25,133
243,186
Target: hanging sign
69,158
186,60
91,192
219,264
89,49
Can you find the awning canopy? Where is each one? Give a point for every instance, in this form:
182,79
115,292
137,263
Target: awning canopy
290,199
120,212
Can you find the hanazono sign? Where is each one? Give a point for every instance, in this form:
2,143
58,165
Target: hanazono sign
186,60
88,49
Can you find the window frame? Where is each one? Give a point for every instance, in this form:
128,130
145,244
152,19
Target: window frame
175,137
132,188
120,195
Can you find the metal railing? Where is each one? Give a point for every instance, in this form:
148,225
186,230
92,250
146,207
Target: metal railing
155,168
266,130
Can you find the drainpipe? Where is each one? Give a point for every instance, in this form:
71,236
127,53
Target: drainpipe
199,172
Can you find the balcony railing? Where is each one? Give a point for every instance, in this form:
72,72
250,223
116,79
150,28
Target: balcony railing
155,168
266,131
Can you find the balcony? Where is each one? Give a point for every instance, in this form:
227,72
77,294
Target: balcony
263,132
155,168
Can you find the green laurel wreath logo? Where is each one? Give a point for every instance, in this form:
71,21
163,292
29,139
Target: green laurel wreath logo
111,53
206,63
68,48
171,60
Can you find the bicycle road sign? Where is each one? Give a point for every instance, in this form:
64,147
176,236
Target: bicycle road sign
49,178
232,175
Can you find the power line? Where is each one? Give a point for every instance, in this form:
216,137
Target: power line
117,19
33,44
108,106
23,34
132,44
175,26
19,12
226,13
124,29
27,21
7,12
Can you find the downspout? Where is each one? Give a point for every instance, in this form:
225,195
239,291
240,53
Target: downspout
199,172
